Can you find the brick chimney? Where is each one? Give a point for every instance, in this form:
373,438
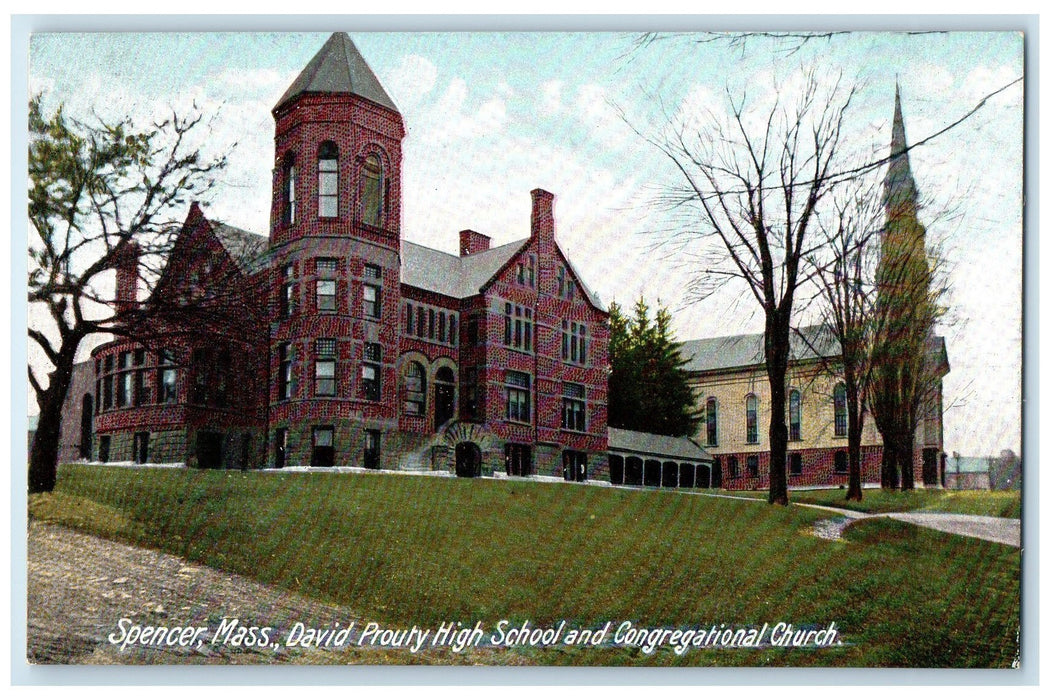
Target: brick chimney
471,242
542,215
127,266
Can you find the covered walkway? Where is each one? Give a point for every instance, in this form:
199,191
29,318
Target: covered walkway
644,459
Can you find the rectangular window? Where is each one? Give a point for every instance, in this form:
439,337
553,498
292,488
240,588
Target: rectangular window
107,391
561,281
420,322
370,382
711,418
518,397
453,338
517,330
371,451
141,388
795,462
470,393
140,357
326,295
372,301
441,327
409,318
373,352
323,454
287,291
124,396
324,367
125,359
841,462
328,188
574,407
284,372
752,419
733,465
472,330
167,377
109,363
326,267
373,272
140,448
431,324
752,466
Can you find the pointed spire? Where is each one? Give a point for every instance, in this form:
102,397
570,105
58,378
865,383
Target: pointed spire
899,185
341,69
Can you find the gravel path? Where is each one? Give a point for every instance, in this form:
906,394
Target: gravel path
1002,530
80,587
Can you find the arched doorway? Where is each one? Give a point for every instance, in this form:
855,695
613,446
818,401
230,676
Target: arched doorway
444,397
468,460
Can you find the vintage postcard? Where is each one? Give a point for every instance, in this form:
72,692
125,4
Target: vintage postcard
695,349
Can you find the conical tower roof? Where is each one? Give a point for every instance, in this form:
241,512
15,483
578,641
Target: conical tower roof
341,69
899,186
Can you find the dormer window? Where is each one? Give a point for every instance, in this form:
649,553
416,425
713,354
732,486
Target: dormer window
372,191
328,180
288,190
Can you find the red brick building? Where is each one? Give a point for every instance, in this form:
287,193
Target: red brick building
348,345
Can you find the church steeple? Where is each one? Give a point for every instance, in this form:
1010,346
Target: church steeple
899,186
339,69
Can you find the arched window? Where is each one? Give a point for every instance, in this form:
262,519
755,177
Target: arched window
841,419
288,190
415,389
328,180
752,418
795,415
372,191
711,418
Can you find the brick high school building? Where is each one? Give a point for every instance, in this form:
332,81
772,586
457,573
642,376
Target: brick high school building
354,346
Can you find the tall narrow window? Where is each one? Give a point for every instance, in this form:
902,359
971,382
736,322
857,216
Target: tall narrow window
711,418
323,454
328,180
370,382
372,191
167,379
287,291
371,301
518,396
752,418
288,190
841,419
795,415
326,295
573,407
284,372
324,367
415,390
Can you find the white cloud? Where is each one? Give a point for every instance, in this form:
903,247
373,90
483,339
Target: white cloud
412,80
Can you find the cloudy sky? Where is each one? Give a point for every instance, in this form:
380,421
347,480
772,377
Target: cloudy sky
491,116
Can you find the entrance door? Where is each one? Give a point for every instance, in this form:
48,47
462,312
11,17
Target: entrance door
444,397
209,450
280,442
929,466
468,460
141,448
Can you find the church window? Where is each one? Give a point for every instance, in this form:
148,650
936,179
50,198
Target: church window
752,418
795,415
841,419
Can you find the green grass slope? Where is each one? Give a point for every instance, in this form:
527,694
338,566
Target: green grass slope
418,551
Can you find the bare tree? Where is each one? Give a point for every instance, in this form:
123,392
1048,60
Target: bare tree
751,190
843,270
101,194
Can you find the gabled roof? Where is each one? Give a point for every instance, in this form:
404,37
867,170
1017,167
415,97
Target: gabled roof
738,351
462,277
246,248
339,68
678,448
451,275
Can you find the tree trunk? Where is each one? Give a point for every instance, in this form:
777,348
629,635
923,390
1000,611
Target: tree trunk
906,459
777,350
889,464
43,454
854,491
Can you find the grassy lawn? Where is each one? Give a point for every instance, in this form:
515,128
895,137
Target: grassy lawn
1002,504
418,551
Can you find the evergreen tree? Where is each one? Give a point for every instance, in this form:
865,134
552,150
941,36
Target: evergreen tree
648,388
